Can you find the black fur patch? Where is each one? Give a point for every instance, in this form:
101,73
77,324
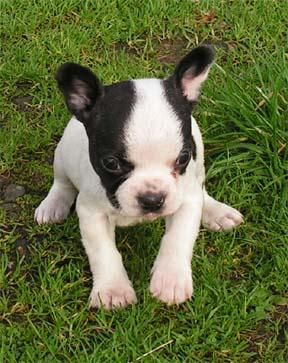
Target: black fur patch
105,128
103,110
80,87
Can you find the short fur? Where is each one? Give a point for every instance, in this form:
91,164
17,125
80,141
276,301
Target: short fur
132,153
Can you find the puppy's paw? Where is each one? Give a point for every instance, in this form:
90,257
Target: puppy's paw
220,217
113,295
53,209
171,283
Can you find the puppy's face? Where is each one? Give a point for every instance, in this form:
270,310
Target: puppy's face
139,132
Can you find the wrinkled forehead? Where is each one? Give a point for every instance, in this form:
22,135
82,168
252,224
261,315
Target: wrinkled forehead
153,131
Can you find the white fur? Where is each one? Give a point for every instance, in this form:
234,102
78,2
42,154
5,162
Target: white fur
111,285
153,134
154,141
171,274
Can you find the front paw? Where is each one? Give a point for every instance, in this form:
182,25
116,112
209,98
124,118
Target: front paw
52,210
112,294
220,217
171,283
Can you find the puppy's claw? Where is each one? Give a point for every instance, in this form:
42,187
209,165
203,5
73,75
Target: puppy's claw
113,296
173,286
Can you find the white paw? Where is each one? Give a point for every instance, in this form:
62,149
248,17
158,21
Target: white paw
220,217
116,294
53,209
171,284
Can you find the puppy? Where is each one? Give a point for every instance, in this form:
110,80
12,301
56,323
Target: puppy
132,153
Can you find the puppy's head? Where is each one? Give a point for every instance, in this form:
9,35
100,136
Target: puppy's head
139,132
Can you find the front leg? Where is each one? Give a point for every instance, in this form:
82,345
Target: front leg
111,285
171,280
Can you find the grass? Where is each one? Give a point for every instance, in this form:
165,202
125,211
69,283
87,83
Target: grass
240,306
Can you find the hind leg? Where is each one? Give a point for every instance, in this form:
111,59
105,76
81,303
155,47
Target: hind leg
56,206
217,216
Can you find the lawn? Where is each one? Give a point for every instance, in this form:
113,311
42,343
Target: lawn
239,312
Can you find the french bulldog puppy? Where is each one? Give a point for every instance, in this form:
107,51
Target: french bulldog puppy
133,153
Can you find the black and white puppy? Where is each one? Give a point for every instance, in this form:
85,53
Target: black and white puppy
132,153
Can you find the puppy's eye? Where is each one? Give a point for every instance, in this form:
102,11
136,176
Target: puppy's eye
111,164
183,158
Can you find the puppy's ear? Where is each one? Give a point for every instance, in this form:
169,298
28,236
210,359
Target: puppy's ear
80,88
192,71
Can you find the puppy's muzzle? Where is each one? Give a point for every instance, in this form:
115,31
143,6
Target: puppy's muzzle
151,202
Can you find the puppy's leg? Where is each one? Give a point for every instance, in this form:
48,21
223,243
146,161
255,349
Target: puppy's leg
218,216
111,285
171,274
56,206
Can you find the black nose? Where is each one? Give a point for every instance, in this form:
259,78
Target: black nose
151,202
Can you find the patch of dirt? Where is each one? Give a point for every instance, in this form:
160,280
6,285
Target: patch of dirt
12,192
23,97
238,274
9,192
21,251
22,103
4,180
24,86
169,51
260,336
281,314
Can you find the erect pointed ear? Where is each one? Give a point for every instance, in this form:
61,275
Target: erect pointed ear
193,69
80,88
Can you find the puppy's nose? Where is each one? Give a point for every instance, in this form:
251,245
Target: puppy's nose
151,202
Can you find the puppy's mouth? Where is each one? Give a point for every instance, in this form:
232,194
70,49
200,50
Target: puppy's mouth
136,212
151,216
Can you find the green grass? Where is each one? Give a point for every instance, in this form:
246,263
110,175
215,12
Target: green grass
240,306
